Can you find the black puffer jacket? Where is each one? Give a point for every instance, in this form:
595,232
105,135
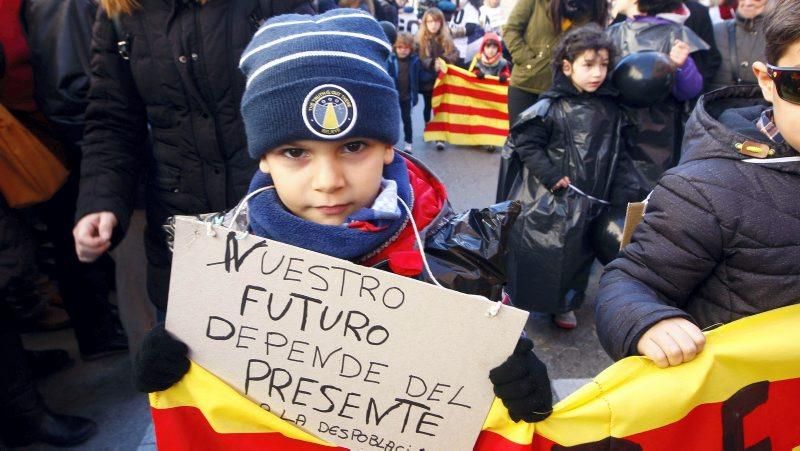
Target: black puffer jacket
721,237
182,81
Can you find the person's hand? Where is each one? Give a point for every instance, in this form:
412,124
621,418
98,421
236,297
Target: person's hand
671,342
679,53
93,235
161,361
439,65
521,382
479,73
561,184
502,78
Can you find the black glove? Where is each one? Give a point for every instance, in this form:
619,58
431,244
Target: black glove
480,74
161,361
521,382
503,78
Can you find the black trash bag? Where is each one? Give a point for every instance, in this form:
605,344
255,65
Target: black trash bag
510,172
550,251
468,252
607,233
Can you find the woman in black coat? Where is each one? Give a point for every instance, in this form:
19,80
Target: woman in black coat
167,70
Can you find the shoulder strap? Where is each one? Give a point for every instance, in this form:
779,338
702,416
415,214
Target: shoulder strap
733,53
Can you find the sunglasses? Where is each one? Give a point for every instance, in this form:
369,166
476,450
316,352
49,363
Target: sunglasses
787,82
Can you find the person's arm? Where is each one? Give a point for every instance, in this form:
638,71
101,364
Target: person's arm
514,30
674,249
707,61
114,138
688,80
530,142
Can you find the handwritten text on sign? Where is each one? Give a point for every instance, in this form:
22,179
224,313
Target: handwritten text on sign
357,356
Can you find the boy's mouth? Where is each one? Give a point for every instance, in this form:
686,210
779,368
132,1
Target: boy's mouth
332,210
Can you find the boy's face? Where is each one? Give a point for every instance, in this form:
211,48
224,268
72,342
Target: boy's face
326,181
490,49
786,114
588,71
402,50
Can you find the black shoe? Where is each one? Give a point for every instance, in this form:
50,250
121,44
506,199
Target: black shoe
47,427
117,343
440,145
49,361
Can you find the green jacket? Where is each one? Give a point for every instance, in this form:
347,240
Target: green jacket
529,36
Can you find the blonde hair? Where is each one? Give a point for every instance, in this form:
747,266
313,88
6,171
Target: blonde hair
119,7
404,38
442,37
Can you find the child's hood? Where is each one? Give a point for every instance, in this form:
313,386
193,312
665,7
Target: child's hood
492,37
725,120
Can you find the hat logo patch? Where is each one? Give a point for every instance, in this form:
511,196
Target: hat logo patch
329,111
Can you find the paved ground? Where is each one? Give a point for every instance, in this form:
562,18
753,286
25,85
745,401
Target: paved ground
101,390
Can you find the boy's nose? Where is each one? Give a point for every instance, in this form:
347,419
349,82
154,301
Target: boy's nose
328,176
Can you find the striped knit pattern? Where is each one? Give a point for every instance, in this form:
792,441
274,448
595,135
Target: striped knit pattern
318,77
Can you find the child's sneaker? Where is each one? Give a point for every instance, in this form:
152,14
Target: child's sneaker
566,320
408,148
439,145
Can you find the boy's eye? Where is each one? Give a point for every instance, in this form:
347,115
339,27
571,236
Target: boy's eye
293,153
354,146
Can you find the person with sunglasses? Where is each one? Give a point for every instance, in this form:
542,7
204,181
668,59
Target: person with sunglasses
720,239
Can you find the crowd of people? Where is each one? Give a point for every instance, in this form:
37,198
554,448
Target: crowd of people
158,112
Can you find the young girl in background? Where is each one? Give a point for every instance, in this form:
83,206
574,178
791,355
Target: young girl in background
566,140
434,42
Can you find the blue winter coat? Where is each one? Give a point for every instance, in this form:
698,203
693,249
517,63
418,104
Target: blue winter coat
414,70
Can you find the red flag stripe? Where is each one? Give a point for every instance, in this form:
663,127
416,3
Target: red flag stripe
463,128
471,111
474,93
186,429
485,81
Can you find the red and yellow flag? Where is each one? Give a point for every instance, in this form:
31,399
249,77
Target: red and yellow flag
740,392
468,111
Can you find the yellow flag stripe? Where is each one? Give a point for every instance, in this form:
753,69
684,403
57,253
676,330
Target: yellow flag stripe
464,139
226,410
630,396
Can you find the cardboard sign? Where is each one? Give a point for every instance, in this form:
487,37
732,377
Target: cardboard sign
351,354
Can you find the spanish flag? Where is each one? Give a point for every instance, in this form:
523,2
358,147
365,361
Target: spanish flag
468,111
741,392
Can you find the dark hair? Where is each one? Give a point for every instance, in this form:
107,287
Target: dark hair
579,12
578,40
653,7
781,28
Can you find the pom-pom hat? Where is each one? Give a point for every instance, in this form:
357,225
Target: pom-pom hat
318,77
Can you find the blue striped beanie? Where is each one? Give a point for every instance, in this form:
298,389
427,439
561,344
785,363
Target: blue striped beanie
318,77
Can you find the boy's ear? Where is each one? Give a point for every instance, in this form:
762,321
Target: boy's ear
388,154
764,81
263,165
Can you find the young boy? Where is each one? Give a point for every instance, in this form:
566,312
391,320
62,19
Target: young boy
721,236
653,146
321,114
489,60
566,141
404,68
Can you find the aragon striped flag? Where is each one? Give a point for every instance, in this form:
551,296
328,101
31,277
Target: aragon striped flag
741,392
468,111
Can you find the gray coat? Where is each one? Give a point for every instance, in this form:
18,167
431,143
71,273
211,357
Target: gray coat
736,67
721,237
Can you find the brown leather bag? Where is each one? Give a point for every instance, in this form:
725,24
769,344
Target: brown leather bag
29,172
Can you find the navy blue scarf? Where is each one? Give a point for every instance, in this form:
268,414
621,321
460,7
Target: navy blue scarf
270,219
